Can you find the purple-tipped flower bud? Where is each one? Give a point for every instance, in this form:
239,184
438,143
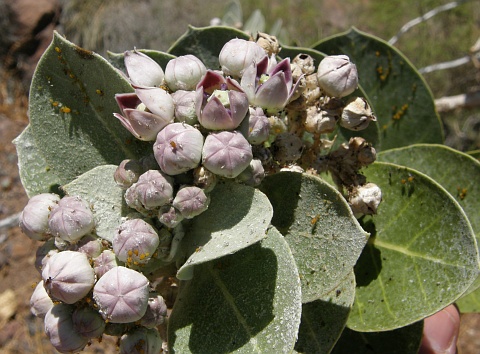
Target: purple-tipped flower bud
191,201
127,173
88,322
72,219
226,153
153,189
238,54
156,312
204,179
184,72
143,70
357,114
68,276
34,217
220,103
170,217
184,102
253,175
104,262
121,295
364,200
40,302
258,126
178,148
141,341
337,75
60,330
135,242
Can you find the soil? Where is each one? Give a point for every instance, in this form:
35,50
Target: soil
20,331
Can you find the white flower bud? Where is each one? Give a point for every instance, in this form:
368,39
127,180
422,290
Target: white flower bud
184,72
364,200
337,75
184,102
121,295
191,201
152,190
104,262
253,175
127,173
71,219
34,217
68,276
135,242
143,70
40,302
60,330
88,322
170,217
357,114
156,312
238,54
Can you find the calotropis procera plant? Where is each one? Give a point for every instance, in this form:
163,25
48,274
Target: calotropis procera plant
222,198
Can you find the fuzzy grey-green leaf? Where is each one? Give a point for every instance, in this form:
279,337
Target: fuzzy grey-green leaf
421,255
325,238
98,188
237,217
323,320
71,111
248,302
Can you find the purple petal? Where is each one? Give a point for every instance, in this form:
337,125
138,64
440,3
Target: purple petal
238,106
248,81
127,100
158,101
211,82
284,66
273,93
215,116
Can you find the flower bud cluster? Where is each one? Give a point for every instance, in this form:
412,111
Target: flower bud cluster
86,282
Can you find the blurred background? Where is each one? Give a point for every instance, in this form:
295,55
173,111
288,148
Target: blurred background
447,34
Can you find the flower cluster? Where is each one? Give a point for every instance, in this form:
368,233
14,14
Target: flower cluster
87,285
258,115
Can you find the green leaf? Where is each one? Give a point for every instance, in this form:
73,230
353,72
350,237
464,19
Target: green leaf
237,217
98,188
457,172
205,43
326,240
71,106
162,59
399,95
405,340
421,255
36,175
248,302
324,320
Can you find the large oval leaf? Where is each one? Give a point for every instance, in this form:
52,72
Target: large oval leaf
99,189
421,255
205,43
71,106
399,95
457,172
238,216
324,320
318,224
35,173
248,302
405,340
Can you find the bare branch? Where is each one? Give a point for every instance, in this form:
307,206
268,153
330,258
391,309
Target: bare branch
466,100
10,221
446,65
406,27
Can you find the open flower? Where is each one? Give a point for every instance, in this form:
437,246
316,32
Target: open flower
142,123
267,86
221,103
